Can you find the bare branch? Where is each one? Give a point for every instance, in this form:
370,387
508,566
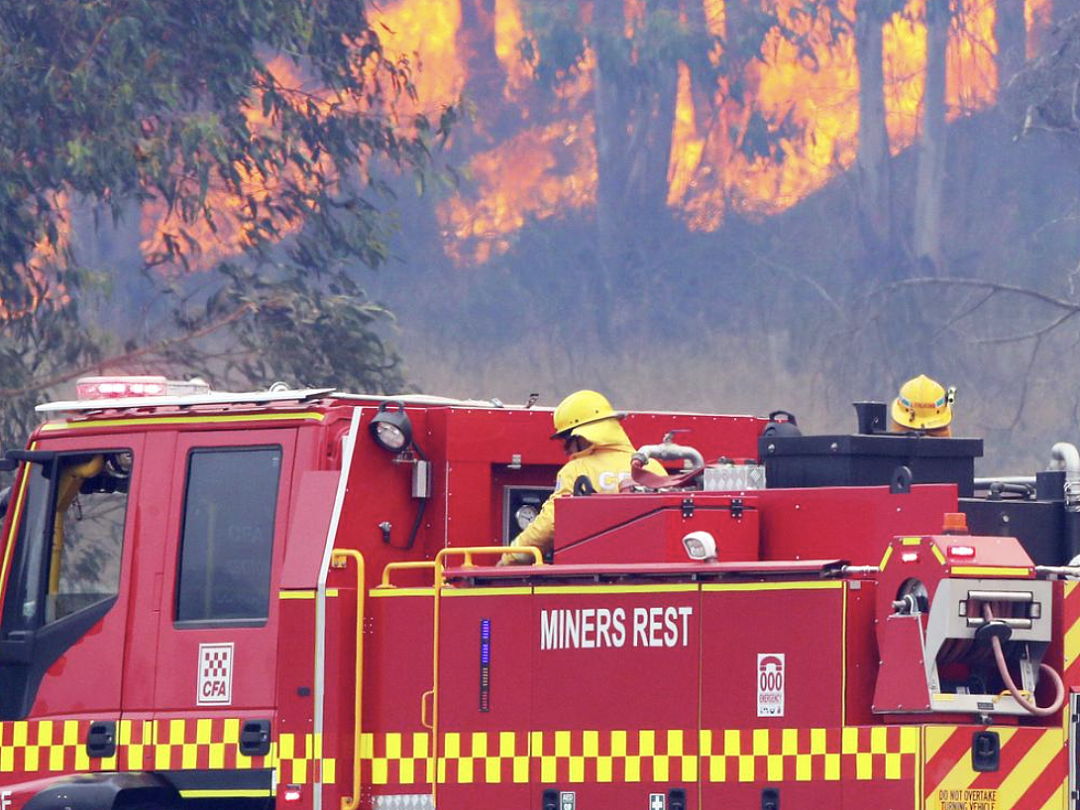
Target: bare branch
1025,384
996,286
1037,333
813,283
153,348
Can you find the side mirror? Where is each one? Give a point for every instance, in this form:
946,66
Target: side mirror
11,458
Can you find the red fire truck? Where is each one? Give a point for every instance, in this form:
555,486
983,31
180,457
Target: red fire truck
289,598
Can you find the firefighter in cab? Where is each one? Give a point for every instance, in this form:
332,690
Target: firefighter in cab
924,405
599,450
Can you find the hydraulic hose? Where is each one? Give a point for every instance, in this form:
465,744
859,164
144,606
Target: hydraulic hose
1003,670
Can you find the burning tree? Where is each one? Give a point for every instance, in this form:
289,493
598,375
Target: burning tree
260,124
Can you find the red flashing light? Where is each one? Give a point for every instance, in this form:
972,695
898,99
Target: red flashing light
966,552
909,556
134,386
121,387
292,794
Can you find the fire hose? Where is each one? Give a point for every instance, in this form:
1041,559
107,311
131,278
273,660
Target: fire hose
1003,670
643,478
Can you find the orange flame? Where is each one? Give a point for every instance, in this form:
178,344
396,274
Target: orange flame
546,164
816,100
229,234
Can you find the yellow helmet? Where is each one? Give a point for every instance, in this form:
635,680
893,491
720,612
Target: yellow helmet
923,404
582,408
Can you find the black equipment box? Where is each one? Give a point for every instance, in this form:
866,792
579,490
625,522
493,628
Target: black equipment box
868,460
1038,525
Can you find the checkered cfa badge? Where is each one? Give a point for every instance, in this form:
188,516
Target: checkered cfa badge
215,674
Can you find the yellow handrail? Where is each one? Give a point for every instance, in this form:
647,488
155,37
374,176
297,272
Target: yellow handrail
403,566
467,552
353,802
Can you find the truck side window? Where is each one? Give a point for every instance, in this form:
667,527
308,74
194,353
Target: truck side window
227,537
71,538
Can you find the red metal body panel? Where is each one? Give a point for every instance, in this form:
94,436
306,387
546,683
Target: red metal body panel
295,698
255,652
340,693
899,687
861,663
148,574
650,528
482,748
850,523
398,673
309,522
617,721
745,622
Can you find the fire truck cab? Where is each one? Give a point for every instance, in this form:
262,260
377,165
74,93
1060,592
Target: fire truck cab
289,599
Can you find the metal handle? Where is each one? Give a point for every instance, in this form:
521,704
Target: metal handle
353,802
423,709
101,739
403,566
1018,624
1002,596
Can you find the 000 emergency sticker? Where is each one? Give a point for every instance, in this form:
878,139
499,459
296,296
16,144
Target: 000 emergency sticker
770,685
215,674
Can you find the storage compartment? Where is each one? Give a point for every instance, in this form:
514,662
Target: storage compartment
868,460
1040,526
650,527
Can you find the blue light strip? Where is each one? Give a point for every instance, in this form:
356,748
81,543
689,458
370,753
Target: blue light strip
485,665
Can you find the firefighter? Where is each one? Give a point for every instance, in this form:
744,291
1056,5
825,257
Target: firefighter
923,405
599,450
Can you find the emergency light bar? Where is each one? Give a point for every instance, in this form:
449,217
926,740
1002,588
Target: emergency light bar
126,387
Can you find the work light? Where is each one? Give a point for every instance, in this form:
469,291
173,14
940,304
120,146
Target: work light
391,429
700,546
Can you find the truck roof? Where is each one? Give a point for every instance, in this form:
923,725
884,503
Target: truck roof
275,396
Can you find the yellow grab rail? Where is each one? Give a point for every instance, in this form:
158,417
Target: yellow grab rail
403,566
343,555
467,552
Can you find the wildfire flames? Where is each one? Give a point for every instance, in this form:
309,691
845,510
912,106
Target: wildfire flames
545,164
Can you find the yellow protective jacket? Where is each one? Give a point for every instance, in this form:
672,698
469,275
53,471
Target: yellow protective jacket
606,462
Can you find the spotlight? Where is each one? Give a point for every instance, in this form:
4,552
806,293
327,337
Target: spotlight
391,429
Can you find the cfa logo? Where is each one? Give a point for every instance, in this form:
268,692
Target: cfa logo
609,481
215,674
5,800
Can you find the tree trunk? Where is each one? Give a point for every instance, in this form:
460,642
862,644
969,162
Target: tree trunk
1010,33
476,40
650,150
702,87
873,165
611,112
930,175
113,250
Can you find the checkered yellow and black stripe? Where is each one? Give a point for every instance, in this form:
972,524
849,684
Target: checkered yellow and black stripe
40,747
645,755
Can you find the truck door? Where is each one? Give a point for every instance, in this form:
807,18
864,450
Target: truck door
67,562
215,674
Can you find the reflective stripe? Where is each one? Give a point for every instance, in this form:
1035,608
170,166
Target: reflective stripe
1033,773
813,585
989,571
135,422
618,756
41,747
